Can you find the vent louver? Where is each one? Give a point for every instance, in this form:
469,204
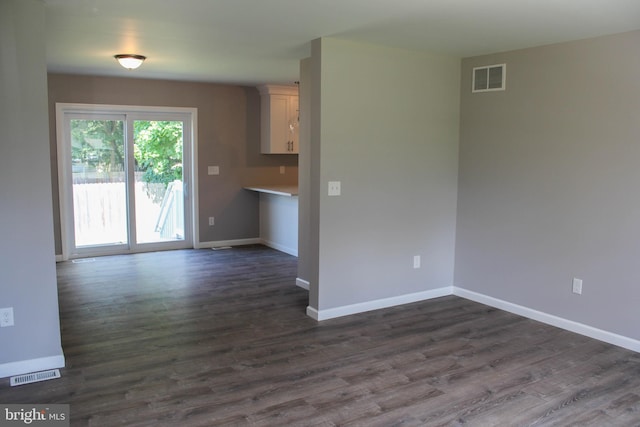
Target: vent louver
489,78
34,377
83,260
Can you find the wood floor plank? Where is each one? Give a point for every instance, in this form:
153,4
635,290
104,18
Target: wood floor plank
221,338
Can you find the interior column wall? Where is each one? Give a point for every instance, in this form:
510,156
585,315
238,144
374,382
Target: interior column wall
27,259
387,129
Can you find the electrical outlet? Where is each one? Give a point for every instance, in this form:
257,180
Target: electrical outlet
334,188
213,170
6,317
416,261
282,170
577,286
212,221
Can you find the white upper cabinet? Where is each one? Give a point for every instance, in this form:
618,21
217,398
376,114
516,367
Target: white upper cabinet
279,113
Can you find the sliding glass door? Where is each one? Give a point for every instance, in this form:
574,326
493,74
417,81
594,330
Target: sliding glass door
98,181
125,180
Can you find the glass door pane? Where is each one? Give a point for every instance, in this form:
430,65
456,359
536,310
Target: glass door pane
99,182
158,171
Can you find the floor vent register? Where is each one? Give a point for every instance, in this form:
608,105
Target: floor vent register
35,377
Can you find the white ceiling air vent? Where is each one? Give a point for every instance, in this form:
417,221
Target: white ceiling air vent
489,78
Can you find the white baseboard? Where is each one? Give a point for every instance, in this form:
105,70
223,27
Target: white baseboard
32,365
302,283
346,310
313,313
237,242
252,241
279,247
213,244
549,319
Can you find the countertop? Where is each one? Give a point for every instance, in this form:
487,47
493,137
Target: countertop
281,190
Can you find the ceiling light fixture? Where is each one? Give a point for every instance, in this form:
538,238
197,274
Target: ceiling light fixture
129,61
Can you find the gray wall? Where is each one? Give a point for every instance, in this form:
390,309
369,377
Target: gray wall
304,171
228,136
385,124
27,262
548,184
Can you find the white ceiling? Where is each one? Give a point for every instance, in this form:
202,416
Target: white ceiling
261,41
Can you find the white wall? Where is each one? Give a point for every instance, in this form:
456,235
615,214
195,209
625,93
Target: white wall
385,124
548,187
27,259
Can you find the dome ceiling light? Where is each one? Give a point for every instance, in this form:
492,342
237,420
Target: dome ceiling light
129,61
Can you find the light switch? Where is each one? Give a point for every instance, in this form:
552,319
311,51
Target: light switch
213,170
577,286
334,188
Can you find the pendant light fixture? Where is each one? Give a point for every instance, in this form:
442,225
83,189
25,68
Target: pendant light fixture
130,61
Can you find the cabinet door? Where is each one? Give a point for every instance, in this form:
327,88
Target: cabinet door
280,132
279,123
293,125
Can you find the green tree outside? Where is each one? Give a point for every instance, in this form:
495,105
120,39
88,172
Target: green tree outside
158,150
97,145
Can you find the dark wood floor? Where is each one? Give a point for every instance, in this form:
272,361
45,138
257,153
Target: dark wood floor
207,338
